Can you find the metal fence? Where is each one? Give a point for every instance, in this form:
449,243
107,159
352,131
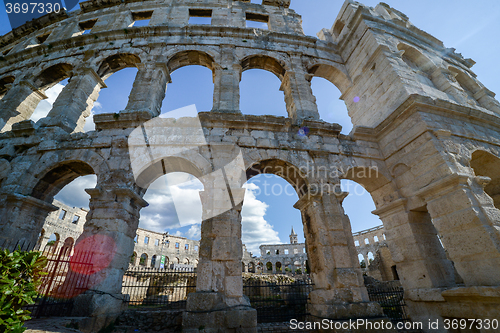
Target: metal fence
66,275
390,296
155,287
279,299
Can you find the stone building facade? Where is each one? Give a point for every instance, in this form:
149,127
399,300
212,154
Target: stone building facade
425,144
65,223
372,248
275,258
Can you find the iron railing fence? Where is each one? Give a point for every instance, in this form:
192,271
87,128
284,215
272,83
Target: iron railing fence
390,296
156,287
67,275
279,300
23,245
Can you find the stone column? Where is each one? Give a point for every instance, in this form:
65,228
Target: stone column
299,98
109,235
75,102
22,218
149,88
415,248
339,290
218,303
468,223
227,79
18,104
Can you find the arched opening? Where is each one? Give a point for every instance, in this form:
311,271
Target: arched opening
269,267
153,261
278,267
4,84
133,259
486,164
119,72
43,108
418,65
190,85
361,259
259,89
52,75
371,257
327,84
191,73
251,267
53,240
69,242
143,260
54,184
358,205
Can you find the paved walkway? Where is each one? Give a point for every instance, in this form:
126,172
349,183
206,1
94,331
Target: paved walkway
50,325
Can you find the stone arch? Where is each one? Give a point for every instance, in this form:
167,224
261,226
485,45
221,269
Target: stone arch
69,242
153,260
4,82
133,259
279,266
283,169
143,260
333,73
486,164
415,59
52,75
375,180
54,179
269,266
469,85
191,57
116,62
265,62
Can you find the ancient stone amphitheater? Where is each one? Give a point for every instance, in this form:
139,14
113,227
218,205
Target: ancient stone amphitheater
426,145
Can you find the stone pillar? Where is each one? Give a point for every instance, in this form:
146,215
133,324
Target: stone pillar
75,102
227,79
415,248
18,104
339,290
149,88
218,303
468,223
299,98
22,218
109,235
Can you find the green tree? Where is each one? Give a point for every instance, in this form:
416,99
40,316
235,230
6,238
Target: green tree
20,273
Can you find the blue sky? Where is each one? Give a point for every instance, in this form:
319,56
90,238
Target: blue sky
471,27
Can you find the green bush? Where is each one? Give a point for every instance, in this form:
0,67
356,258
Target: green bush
20,273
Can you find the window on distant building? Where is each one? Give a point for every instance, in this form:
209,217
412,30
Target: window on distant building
186,247
176,245
62,215
157,242
286,251
146,240
196,248
76,218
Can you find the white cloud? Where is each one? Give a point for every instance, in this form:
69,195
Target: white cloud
45,106
194,232
256,230
174,206
74,194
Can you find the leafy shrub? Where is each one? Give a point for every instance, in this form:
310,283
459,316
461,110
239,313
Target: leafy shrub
20,273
